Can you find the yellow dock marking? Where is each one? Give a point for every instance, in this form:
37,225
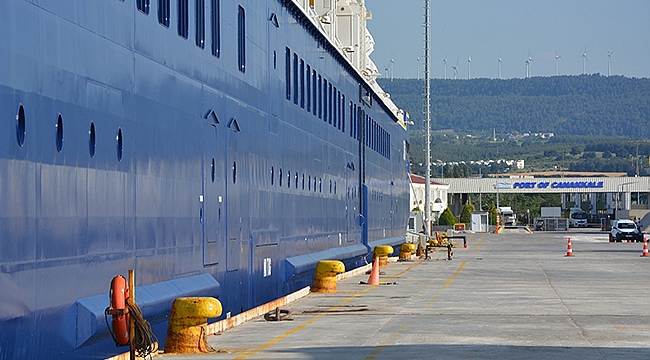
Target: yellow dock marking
479,243
316,318
446,285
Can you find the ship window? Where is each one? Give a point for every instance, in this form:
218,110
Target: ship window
59,133
288,179
320,98
329,103
295,78
314,84
241,39
308,88
320,185
200,23
330,186
143,6
309,183
120,147
287,72
20,125
314,183
272,175
335,188
280,178
91,139
213,170
234,172
324,95
302,83
342,113
275,60
216,28
334,100
303,181
182,18
163,12
296,176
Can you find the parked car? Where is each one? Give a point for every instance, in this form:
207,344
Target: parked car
625,230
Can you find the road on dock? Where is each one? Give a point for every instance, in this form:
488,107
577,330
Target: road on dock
505,296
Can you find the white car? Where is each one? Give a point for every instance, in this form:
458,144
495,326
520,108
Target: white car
625,230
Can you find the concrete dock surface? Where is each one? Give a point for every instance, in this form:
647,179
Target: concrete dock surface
505,296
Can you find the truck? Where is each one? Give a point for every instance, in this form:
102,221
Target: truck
577,217
508,216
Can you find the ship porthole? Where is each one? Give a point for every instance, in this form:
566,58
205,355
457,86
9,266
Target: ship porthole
120,148
59,133
20,125
234,172
91,139
212,170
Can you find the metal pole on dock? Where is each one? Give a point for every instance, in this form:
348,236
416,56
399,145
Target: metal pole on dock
427,117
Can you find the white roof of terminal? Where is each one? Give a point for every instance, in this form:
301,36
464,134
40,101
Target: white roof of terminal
547,185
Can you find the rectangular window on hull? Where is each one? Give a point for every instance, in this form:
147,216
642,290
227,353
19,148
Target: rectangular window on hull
324,95
143,6
302,83
200,23
241,39
287,72
320,97
295,78
314,84
183,18
343,113
216,28
308,88
163,12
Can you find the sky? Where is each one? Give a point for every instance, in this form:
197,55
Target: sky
512,30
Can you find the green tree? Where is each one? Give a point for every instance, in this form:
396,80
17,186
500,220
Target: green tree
446,218
466,214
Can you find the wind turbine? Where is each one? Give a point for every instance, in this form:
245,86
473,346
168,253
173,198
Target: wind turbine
445,68
499,63
529,62
584,62
609,62
556,62
455,68
469,66
392,69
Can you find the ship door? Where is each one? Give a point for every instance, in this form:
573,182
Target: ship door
353,231
213,199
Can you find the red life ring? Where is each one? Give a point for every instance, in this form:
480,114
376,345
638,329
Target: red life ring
118,294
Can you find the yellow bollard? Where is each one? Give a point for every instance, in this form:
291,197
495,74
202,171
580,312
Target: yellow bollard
405,251
325,276
382,251
187,321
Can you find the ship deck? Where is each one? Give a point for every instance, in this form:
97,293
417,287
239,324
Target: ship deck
505,296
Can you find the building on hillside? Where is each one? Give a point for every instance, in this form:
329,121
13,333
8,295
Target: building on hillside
437,196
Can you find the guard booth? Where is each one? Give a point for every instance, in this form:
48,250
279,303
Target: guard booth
479,221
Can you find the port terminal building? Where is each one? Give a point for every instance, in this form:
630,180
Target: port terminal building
600,197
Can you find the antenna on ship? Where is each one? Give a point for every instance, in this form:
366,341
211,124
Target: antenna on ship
427,118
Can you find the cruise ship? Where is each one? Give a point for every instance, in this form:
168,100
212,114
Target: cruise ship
216,147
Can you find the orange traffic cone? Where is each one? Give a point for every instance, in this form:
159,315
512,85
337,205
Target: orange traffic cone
569,249
645,247
373,279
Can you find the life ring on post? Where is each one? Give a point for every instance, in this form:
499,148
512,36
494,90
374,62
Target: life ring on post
118,294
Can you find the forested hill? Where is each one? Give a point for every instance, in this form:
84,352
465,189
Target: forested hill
565,105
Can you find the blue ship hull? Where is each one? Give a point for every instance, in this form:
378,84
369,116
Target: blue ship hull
222,159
